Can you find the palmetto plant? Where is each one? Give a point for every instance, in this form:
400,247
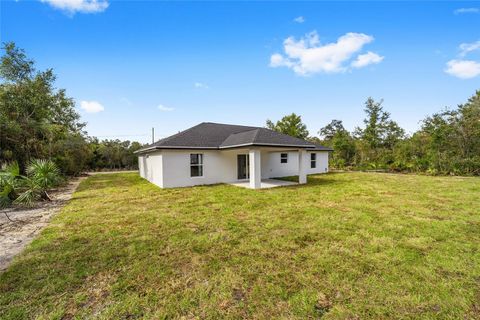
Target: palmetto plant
29,194
42,175
10,181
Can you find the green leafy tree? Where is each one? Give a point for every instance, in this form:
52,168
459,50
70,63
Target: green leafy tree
34,116
291,125
376,141
410,154
331,129
72,154
453,139
113,154
375,122
336,136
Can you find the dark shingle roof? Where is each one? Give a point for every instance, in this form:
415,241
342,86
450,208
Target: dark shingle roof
240,138
207,135
262,136
203,135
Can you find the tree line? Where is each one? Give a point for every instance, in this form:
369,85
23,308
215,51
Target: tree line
448,142
39,121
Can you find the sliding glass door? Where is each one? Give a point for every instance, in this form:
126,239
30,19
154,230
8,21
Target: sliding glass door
243,168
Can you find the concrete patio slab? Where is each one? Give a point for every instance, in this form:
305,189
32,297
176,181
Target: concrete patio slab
265,184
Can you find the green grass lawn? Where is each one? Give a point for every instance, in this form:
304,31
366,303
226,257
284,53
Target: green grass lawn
345,246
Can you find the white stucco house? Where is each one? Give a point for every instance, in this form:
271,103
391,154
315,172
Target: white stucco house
211,153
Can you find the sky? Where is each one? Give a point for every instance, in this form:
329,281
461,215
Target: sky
134,65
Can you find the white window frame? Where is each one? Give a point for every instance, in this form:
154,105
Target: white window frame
313,160
199,164
284,158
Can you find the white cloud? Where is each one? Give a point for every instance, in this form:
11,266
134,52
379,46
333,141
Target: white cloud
364,60
463,69
200,85
126,101
161,107
277,60
308,56
467,10
91,106
82,6
466,48
299,19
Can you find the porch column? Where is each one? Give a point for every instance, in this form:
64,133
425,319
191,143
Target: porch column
255,169
302,166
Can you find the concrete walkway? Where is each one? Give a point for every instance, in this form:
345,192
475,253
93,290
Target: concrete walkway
266,183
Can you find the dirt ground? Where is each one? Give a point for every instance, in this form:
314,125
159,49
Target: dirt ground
28,222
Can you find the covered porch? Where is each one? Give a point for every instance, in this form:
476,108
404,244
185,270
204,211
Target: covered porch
257,168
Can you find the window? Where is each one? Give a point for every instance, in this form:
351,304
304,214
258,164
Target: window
283,157
313,160
196,165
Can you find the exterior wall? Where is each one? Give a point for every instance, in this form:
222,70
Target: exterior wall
322,162
141,167
155,168
150,167
218,167
171,168
273,168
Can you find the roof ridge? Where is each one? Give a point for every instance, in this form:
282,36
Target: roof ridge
254,129
235,133
256,135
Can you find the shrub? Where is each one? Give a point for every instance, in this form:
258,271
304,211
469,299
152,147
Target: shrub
42,175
